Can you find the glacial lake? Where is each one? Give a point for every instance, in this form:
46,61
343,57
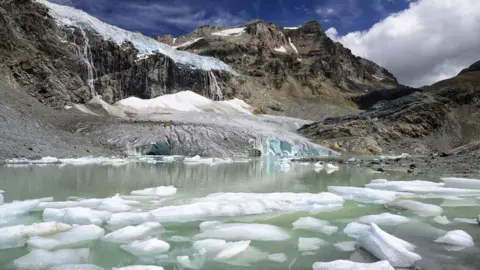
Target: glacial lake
281,188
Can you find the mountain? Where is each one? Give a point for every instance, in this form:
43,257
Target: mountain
287,64
63,56
436,118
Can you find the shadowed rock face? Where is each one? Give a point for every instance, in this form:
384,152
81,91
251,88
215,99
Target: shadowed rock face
437,118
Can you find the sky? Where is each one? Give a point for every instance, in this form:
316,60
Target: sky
419,41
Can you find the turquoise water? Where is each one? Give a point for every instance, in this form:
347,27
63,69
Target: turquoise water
197,181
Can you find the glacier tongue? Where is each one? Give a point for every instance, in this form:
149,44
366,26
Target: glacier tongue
70,16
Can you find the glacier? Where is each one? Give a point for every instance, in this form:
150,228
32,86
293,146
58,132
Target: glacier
69,16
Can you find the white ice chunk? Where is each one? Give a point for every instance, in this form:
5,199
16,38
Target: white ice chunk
231,249
385,219
117,204
467,220
316,225
310,244
443,220
240,231
346,246
42,259
239,204
365,195
422,209
158,191
77,237
132,233
89,203
17,208
278,257
349,265
458,238
77,215
442,191
17,236
119,220
465,183
204,225
77,267
385,246
355,229
400,185
140,267
147,248
184,262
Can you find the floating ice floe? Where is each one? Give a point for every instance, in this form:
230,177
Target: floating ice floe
366,195
310,244
120,220
162,191
77,267
132,233
467,220
385,219
460,202
387,247
464,183
17,208
316,225
241,231
77,215
422,209
77,237
345,246
88,203
146,248
44,260
240,204
384,184
355,229
185,263
17,236
401,156
441,191
457,238
278,257
349,265
139,267
330,168
443,220
220,249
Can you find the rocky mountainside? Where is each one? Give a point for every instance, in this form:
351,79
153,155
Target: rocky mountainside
436,118
63,56
287,64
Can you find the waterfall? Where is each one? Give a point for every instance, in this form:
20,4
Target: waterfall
85,53
214,88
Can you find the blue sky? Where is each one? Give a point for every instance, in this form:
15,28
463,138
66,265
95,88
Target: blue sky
159,17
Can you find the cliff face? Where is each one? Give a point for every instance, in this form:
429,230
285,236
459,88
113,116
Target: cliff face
297,72
61,65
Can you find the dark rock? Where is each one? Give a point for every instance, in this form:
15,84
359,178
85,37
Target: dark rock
413,166
380,170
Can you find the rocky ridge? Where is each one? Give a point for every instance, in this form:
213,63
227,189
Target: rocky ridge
436,119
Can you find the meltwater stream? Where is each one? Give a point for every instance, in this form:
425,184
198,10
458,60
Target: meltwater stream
264,214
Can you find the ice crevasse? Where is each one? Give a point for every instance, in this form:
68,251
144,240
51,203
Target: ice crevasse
69,16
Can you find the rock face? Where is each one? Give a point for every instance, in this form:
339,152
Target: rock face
437,118
281,71
288,64
62,65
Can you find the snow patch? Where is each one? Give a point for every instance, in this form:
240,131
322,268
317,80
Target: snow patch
230,32
188,43
281,49
292,45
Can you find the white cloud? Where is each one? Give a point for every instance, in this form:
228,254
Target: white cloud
430,41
